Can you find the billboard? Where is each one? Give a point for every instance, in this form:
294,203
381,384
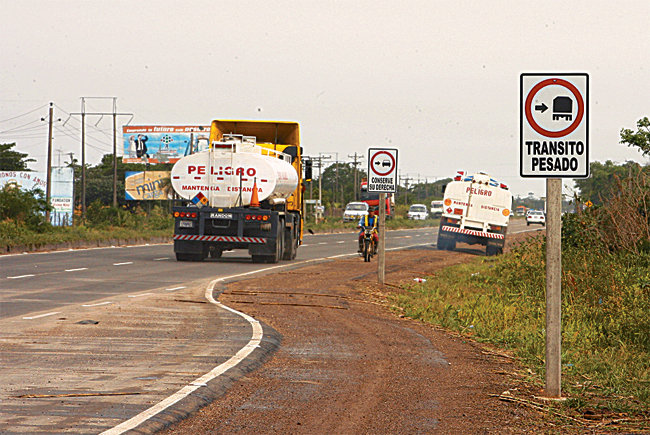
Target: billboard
163,143
61,190
147,185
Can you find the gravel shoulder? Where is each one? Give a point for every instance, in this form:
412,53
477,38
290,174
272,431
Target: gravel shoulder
348,363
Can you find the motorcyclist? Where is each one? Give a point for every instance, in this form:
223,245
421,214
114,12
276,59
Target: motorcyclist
369,221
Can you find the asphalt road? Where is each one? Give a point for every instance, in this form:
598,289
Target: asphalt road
40,282
91,338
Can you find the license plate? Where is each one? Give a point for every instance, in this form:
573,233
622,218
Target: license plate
220,215
186,224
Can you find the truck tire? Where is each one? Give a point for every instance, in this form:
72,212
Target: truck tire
290,245
440,244
493,250
279,245
189,257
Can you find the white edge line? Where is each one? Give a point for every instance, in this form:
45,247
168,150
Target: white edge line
98,304
160,259
41,315
20,276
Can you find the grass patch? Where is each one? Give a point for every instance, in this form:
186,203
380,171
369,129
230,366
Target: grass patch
605,321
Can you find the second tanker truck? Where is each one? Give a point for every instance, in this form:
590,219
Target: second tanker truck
244,192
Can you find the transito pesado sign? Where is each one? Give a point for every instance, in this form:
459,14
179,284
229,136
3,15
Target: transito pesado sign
554,129
382,170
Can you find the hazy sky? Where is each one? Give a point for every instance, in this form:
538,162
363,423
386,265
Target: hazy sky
439,80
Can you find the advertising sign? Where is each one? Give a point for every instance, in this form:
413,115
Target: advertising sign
554,116
146,185
382,170
61,190
163,143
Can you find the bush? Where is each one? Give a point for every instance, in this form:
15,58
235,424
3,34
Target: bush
24,207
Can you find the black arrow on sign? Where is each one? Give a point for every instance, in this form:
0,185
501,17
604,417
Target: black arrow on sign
541,107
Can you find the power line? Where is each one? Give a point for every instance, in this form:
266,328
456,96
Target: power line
26,113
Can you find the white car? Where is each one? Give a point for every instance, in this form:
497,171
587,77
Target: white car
418,212
354,211
535,217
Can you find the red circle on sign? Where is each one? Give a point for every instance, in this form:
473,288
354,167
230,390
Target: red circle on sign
574,124
392,166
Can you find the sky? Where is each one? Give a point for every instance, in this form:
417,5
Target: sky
438,80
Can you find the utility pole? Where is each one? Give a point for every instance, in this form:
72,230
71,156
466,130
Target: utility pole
406,188
83,114
357,162
48,189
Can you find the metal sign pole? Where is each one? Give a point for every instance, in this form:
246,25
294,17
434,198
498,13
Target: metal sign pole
553,287
381,267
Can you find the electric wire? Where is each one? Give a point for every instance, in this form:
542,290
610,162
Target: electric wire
23,114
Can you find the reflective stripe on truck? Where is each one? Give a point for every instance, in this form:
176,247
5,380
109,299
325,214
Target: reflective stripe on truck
219,238
472,232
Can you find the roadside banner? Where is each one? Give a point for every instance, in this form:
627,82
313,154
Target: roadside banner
163,143
61,190
147,185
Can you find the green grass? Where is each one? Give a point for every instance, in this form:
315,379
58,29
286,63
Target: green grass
605,318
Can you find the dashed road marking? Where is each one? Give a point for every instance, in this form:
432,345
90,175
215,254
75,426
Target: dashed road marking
41,315
122,264
161,259
141,294
20,276
77,269
97,304
174,288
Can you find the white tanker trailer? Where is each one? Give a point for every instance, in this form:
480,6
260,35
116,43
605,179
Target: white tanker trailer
242,193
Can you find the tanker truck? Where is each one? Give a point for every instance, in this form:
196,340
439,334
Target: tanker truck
476,210
243,192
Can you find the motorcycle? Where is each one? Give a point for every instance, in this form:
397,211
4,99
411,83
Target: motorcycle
368,249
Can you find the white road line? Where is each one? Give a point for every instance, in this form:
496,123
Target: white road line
322,243
122,264
20,276
98,304
41,315
160,259
342,241
304,246
75,270
141,294
174,288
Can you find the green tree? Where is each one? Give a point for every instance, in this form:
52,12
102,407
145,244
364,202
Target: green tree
338,183
640,138
23,207
13,160
601,185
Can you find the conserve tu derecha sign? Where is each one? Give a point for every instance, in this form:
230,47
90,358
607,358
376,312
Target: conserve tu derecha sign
554,130
382,170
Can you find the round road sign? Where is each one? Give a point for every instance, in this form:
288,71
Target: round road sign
382,166
529,103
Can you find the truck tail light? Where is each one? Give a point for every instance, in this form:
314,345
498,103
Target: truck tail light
176,214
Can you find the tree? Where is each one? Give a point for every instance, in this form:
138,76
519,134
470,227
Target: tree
602,182
639,139
13,160
23,207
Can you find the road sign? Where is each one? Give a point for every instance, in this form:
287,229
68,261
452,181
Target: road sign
382,170
554,129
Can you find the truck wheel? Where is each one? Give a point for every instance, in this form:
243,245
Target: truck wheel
279,245
492,250
441,244
258,258
289,252
189,257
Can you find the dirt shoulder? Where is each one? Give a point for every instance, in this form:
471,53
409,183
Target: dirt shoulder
347,363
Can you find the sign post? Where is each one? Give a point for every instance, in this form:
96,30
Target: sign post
382,178
554,144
